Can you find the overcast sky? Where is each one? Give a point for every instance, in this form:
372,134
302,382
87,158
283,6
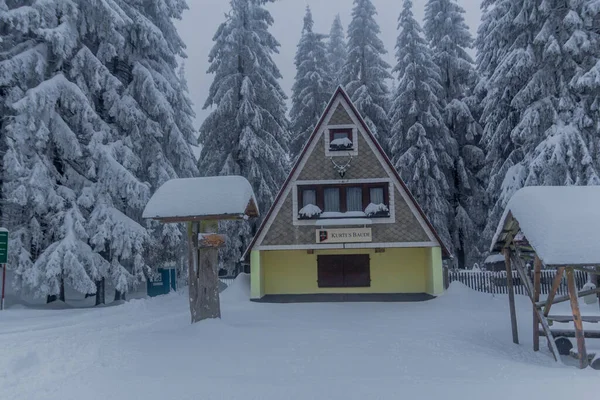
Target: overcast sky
204,16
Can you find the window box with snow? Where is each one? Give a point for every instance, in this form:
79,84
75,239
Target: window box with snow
340,140
343,201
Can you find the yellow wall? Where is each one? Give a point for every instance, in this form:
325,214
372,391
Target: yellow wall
435,273
397,270
257,275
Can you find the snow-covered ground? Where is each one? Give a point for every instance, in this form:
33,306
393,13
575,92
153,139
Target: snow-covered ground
455,347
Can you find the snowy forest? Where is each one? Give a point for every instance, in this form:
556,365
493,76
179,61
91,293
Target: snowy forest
95,115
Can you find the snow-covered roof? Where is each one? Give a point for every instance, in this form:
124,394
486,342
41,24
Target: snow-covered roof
561,223
190,199
494,258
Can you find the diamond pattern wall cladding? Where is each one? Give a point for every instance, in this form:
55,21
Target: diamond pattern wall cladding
340,117
406,229
365,165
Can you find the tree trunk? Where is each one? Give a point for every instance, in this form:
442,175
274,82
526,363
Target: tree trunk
60,296
204,287
119,295
100,293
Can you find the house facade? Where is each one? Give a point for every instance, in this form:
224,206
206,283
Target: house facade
344,223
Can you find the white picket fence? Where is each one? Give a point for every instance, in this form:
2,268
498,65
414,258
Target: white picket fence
495,282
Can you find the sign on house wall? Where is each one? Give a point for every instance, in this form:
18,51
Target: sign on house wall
345,235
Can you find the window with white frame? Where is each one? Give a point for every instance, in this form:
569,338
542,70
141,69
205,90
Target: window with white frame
370,200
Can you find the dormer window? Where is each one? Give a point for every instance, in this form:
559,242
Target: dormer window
340,140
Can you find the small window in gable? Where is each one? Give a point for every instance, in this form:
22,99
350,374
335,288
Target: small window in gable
340,140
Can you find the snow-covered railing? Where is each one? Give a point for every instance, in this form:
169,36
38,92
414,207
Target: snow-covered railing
495,282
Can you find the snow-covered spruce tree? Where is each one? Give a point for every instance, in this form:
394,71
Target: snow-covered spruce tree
504,65
247,132
104,78
155,113
365,73
586,81
449,38
59,149
423,149
535,122
337,52
312,88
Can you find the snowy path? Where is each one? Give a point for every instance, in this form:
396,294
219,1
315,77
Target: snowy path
455,347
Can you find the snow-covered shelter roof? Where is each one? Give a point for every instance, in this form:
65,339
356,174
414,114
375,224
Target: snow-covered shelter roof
494,258
560,223
194,199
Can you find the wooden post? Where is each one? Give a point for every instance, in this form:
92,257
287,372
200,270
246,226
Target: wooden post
529,288
579,335
537,279
511,295
553,290
193,269
204,278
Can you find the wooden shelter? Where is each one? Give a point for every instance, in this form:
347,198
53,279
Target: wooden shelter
202,203
553,228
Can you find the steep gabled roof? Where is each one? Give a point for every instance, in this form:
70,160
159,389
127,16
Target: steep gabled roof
341,92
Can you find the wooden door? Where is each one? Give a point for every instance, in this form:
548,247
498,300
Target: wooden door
357,272
330,271
344,271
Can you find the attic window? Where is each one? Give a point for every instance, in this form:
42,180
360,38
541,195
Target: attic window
340,140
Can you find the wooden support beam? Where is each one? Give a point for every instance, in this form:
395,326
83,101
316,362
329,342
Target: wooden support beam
511,295
529,287
553,290
594,319
562,299
537,279
569,333
579,335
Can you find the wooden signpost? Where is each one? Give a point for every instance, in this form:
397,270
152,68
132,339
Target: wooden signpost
201,203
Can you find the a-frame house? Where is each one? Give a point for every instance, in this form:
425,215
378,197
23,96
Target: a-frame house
344,226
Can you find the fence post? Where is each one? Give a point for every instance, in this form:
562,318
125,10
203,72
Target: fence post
446,278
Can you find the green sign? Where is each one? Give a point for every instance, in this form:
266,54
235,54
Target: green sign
3,246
